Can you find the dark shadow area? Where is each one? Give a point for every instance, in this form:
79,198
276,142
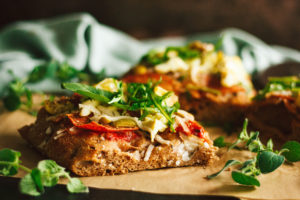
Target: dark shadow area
8,191
274,21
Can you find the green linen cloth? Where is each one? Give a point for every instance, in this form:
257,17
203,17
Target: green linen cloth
85,43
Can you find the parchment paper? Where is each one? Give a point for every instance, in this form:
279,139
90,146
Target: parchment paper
284,183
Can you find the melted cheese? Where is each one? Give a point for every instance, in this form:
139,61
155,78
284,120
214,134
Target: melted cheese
153,123
230,67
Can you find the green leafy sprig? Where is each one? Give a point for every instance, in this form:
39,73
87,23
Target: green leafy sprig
154,57
15,90
61,72
288,83
266,160
141,97
46,174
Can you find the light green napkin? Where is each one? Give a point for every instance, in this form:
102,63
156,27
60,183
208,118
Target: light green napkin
84,43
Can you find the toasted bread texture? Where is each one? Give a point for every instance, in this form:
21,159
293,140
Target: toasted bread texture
92,154
275,116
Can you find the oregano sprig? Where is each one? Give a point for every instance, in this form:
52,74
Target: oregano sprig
266,160
18,94
46,174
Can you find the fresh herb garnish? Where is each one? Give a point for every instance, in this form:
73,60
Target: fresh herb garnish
155,57
266,160
220,142
293,153
18,94
140,97
289,83
15,90
46,174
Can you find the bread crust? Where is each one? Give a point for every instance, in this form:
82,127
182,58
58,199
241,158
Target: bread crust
275,116
88,154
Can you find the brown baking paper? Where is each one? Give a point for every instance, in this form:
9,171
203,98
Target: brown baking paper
284,183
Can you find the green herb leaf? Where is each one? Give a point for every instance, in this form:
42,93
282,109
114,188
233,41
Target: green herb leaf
75,185
89,91
254,144
37,74
293,155
219,142
65,72
12,101
244,179
243,136
269,161
183,52
141,97
270,145
50,172
154,57
9,161
28,186
228,164
36,176
288,83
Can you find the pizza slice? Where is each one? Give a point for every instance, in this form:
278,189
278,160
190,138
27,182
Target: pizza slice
212,86
115,128
276,109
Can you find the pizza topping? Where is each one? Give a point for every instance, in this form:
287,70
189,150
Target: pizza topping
115,106
198,59
83,123
283,87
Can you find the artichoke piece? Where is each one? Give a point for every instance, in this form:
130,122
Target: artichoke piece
124,123
57,107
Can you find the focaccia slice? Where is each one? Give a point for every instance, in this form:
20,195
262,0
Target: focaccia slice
98,137
275,111
212,86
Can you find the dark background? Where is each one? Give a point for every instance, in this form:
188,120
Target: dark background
274,21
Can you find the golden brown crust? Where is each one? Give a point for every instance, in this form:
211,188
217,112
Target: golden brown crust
277,117
216,109
92,155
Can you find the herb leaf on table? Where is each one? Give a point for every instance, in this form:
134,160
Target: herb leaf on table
266,160
46,174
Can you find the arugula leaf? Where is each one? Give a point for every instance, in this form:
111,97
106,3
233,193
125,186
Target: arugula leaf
154,57
9,161
228,164
269,161
183,52
293,155
141,97
288,83
219,142
75,185
89,91
244,179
